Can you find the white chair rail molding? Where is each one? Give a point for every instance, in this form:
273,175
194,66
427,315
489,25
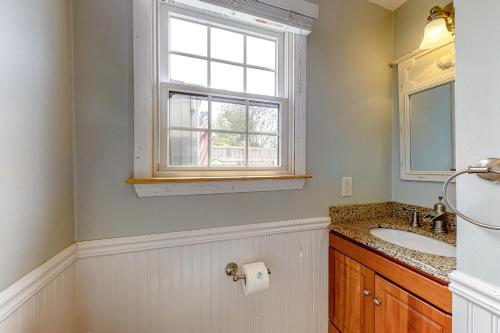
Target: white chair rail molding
233,122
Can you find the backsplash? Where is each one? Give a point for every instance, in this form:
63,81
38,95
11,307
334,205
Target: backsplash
356,212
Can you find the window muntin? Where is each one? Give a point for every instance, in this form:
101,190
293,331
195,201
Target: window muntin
230,113
206,131
222,58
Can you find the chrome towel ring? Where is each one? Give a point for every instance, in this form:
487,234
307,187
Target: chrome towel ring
488,170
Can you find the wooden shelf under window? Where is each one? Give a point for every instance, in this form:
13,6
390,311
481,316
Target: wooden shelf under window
211,179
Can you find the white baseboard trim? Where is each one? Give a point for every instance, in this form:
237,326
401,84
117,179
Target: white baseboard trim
150,242
26,287
476,292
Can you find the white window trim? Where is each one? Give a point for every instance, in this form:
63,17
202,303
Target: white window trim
146,92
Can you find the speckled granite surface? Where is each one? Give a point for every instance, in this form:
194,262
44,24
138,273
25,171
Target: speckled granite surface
355,222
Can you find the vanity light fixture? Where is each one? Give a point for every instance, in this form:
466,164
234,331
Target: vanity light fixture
440,27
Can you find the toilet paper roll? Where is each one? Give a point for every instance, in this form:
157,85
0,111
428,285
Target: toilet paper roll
256,278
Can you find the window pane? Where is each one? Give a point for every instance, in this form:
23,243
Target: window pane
261,82
261,52
263,118
228,150
188,148
188,37
229,116
226,45
188,111
263,151
188,70
227,77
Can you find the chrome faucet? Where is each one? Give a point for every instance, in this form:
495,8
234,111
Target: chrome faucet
437,218
414,217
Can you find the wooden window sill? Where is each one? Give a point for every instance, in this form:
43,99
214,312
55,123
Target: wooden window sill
210,179
160,187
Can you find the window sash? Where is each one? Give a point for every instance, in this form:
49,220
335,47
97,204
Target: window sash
163,128
211,59
167,11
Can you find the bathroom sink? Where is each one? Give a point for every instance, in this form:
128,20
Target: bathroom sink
415,242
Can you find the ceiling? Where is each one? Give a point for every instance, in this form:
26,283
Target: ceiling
389,4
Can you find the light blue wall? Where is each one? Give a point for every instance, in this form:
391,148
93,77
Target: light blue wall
409,24
348,126
36,134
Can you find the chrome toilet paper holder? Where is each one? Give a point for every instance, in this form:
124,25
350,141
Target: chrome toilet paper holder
232,271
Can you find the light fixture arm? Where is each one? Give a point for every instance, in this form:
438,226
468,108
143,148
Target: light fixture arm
447,13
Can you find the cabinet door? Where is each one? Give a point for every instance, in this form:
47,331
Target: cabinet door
350,310
400,312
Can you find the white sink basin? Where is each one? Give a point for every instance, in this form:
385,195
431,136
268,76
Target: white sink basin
414,241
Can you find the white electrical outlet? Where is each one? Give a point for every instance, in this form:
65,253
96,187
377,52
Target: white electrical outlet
347,187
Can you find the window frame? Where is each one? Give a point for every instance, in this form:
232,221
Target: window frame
162,126
147,183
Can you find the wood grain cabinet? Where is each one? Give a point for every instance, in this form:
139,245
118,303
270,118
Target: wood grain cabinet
351,294
398,311
362,301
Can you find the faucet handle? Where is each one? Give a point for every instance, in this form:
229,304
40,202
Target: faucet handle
414,217
440,207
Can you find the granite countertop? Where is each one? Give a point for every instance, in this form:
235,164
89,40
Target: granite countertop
355,221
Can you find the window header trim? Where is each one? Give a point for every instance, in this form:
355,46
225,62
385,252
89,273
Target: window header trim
252,12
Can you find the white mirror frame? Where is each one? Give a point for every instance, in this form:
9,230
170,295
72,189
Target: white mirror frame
421,71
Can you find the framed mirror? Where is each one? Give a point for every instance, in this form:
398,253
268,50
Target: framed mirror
427,117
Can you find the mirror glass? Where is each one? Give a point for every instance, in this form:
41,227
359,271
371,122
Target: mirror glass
432,129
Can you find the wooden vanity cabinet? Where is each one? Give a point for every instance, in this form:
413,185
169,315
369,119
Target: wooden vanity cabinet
351,294
362,301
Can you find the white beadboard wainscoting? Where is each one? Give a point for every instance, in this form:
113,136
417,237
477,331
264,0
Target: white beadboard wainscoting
476,305
176,282
43,300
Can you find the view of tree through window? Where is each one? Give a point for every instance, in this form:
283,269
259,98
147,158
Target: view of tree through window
260,121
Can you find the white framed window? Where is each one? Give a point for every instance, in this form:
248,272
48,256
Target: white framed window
223,107
216,96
